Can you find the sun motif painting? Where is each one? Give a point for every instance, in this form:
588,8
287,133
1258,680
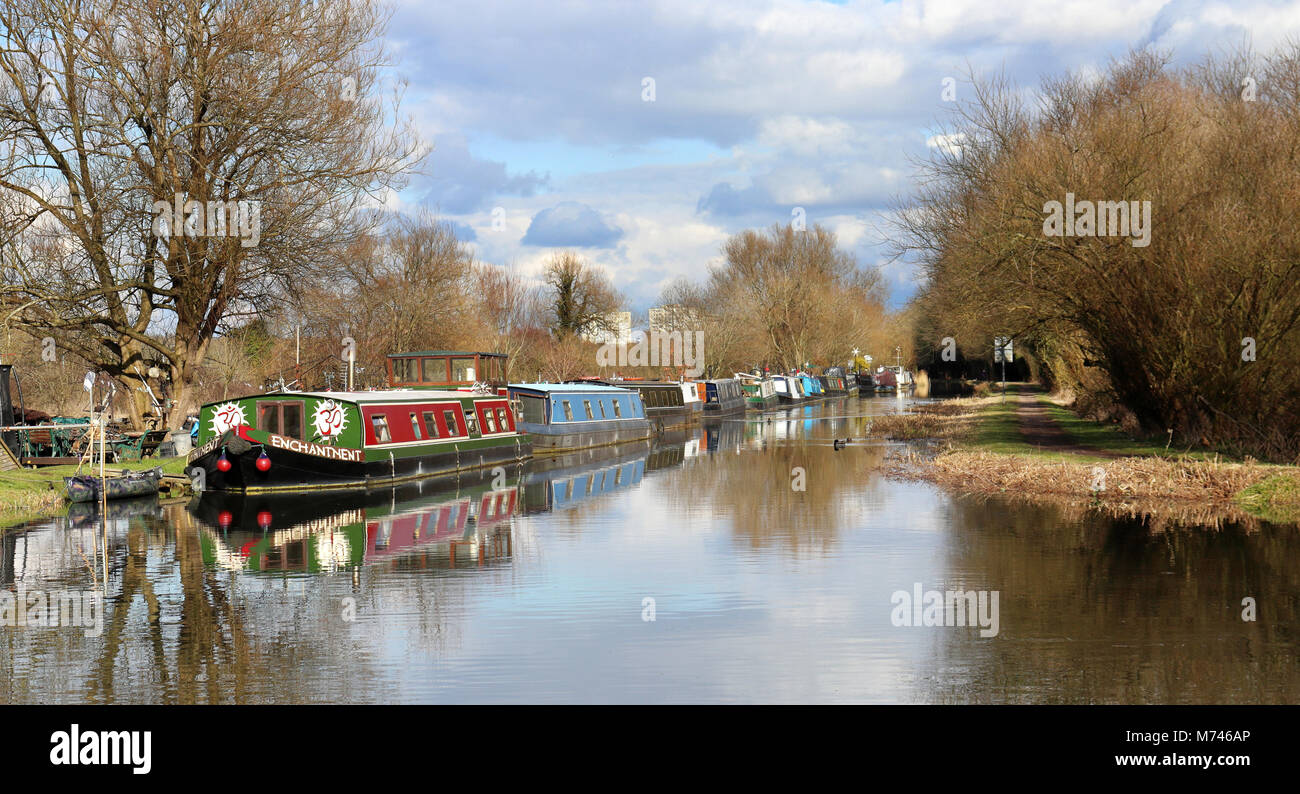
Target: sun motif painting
329,420
227,417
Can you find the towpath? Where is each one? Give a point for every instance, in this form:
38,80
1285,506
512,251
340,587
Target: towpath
1039,429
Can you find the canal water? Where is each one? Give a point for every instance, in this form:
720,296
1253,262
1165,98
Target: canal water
747,560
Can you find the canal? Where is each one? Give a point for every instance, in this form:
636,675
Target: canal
745,561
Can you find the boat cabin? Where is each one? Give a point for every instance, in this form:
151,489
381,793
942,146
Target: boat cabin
565,416
723,396
446,369
664,402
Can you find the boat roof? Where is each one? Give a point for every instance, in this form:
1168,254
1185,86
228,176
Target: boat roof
447,353
588,388
634,384
377,396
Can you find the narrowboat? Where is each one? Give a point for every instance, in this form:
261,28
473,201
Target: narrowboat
834,381
788,388
664,403
454,370
316,440
567,416
760,393
812,388
692,395
902,377
723,397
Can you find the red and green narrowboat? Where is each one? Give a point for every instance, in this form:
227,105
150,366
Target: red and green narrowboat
314,440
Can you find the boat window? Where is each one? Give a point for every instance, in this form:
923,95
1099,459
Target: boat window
471,423
502,420
618,411
534,409
268,418
433,370
430,424
291,419
462,370
415,427
586,405
380,424
568,410
281,418
489,421
601,404
449,416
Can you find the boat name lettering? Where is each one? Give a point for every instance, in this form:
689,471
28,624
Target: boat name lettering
312,448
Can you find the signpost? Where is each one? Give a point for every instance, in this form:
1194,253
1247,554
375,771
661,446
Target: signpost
1002,352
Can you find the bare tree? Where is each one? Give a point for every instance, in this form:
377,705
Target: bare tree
787,297
170,163
510,309
581,297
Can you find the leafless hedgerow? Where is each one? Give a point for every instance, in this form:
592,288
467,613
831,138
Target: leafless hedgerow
1196,331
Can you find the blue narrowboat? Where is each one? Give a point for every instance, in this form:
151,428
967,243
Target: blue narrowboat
812,387
565,416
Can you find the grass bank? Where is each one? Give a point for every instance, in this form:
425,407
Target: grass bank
28,494
988,452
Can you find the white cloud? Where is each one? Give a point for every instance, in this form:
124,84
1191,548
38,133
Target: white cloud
812,104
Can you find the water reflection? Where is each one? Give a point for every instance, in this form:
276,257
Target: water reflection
417,524
769,552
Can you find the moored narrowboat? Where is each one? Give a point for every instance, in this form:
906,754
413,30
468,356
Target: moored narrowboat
665,406
812,388
834,381
789,389
723,397
567,416
693,396
884,380
760,393
312,440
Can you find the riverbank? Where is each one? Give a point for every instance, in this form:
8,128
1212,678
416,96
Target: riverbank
28,494
1029,446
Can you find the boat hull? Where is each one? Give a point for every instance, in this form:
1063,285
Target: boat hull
559,438
86,488
726,407
292,470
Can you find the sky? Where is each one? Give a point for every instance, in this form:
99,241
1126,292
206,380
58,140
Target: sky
643,134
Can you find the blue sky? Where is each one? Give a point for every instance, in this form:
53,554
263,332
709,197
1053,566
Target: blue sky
541,112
